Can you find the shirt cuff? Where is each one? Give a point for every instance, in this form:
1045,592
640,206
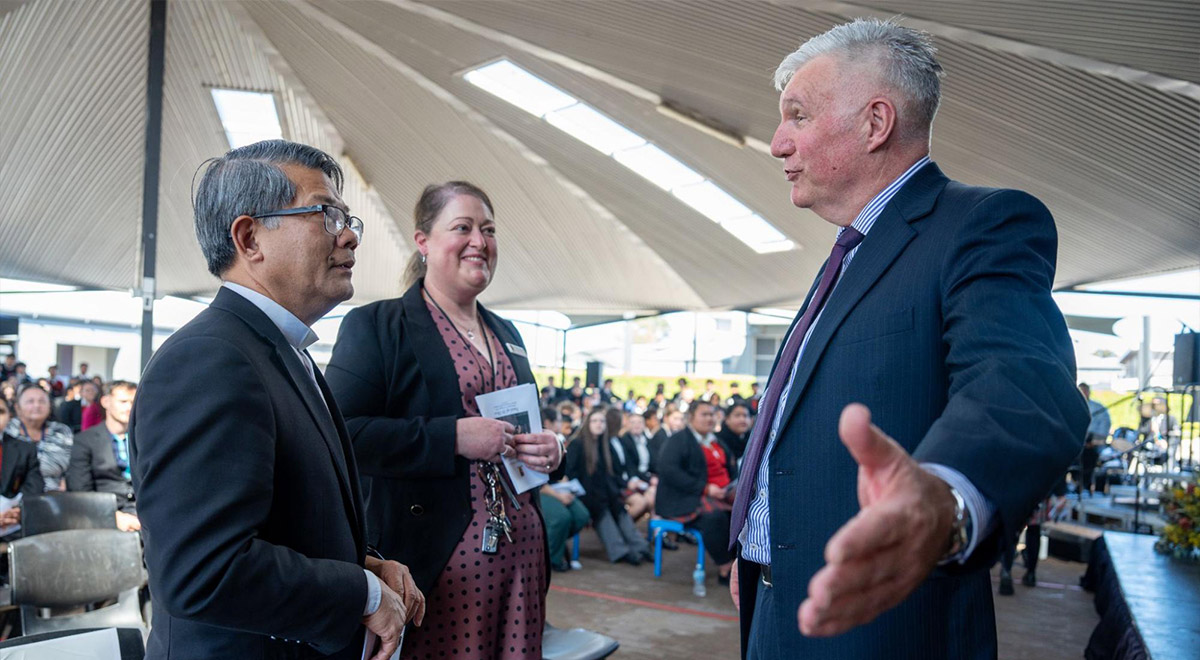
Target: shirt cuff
979,509
374,594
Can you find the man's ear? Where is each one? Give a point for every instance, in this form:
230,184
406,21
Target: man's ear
881,122
244,232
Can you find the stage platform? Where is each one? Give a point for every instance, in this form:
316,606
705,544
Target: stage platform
1149,604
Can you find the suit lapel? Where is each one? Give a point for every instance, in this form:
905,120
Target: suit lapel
351,466
296,374
436,365
885,242
500,328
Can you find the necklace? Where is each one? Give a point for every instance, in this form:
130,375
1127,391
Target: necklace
483,382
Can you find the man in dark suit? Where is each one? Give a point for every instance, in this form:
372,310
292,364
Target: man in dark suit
934,313
100,455
248,492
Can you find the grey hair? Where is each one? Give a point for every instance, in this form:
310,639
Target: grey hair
249,181
907,60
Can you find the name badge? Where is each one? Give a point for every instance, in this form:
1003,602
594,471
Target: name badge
516,350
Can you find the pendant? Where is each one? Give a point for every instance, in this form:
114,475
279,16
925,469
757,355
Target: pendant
471,335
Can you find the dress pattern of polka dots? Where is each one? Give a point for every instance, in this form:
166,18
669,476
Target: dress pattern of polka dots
485,606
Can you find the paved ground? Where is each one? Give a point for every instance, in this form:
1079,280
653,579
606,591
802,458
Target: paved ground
661,618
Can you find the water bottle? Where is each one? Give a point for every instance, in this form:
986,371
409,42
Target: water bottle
698,581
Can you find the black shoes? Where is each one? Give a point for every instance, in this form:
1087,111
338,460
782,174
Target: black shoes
632,558
1030,579
1006,583
561,567
668,544
723,580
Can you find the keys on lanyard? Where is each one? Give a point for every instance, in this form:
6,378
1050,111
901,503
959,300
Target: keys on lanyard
498,522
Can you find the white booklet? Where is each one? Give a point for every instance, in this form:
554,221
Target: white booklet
517,406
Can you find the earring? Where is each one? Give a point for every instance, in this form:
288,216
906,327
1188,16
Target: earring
422,257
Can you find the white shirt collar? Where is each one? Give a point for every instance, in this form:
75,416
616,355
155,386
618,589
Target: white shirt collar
298,335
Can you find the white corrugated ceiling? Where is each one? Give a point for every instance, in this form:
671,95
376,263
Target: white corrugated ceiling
1089,104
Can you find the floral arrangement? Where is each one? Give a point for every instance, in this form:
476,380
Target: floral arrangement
1181,536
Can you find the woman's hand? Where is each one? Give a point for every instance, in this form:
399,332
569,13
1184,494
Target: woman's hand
714,491
483,439
539,451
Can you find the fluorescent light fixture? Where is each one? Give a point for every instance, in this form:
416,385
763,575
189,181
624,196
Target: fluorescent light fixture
519,87
714,203
584,123
658,167
760,235
594,129
247,117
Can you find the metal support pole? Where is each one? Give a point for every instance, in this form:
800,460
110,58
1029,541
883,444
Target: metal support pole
562,378
154,97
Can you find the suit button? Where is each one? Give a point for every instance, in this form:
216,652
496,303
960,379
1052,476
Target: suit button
416,509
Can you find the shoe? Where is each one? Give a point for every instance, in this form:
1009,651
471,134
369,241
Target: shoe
1029,579
647,555
561,567
1006,583
723,580
633,559
668,544
685,538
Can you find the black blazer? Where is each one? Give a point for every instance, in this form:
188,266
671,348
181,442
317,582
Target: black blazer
943,325
248,496
600,491
394,378
71,414
683,474
20,471
630,445
734,441
93,467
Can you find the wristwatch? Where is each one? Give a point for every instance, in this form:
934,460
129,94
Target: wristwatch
960,530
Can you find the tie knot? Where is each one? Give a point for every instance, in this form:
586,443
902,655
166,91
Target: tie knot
849,238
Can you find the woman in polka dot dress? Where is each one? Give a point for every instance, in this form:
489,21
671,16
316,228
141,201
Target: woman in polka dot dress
405,373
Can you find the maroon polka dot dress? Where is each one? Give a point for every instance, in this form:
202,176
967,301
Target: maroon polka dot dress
485,606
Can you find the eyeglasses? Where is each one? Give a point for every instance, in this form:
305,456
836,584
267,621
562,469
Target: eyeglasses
335,219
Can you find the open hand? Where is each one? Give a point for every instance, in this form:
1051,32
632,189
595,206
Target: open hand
884,553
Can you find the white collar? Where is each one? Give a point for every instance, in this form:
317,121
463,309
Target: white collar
298,335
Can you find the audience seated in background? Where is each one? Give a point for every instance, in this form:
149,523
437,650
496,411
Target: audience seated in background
696,483
100,455
563,514
20,473
735,429
624,467
52,439
591,464
79,397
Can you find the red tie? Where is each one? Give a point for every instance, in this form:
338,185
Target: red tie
849,238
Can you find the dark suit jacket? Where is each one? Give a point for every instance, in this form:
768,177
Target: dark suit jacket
94,467
943,325
394,378
248,497
71,414
683,474
20,471
628,443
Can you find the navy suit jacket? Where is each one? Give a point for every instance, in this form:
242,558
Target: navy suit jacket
248,497
943,325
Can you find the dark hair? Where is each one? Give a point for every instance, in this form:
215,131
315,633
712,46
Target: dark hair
119,385
22,389
550,414
735,406
433,199
691,411
249,181
591,444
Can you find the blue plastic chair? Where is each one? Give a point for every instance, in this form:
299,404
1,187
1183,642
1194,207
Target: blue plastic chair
660,526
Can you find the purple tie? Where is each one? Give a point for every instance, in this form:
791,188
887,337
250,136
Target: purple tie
850,238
